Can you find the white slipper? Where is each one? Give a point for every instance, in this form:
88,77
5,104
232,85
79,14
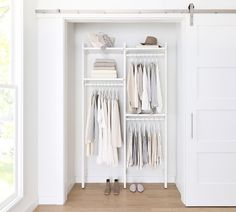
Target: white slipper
140,188
133,188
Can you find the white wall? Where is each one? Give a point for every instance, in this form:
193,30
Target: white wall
51,146
134,4
30,197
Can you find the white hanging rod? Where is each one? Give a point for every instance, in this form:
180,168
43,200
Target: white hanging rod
145,55
104,79
103,84
145,115
163,11
146,119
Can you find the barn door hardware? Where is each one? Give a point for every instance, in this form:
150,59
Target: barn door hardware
191,11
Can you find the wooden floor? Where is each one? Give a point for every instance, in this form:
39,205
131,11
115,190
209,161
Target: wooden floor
153,199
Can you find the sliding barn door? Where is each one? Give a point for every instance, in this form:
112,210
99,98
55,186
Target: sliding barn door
211,116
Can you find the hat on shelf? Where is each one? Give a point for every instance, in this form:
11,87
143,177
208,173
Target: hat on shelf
151,41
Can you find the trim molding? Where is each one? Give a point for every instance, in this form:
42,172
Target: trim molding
31,207
51,200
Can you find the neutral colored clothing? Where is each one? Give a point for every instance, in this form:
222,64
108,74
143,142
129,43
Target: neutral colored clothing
130,87
103,128
108,64
159,95
104,68
144,88
145,99
143,147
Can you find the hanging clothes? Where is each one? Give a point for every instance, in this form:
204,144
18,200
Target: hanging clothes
144,88
103,128
145,99
143,147
90,126
159,95
131,87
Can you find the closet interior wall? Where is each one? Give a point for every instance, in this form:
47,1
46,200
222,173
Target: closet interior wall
131,34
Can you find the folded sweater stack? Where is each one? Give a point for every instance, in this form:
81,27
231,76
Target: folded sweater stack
104,68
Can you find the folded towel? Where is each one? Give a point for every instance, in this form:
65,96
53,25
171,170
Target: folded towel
104,75
105,61
104,71
104,64
104,68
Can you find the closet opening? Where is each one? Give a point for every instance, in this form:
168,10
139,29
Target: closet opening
79,85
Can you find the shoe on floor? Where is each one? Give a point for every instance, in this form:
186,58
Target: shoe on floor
140,188
116,188
133,188
107,190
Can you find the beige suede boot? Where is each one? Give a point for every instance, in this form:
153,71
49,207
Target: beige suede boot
116,188
107,190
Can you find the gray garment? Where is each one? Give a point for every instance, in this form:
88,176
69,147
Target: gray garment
154,100
149,82
145,148
140,150
140,80
92,131
154,149
135,149
149,140
139,87
90,126
130,148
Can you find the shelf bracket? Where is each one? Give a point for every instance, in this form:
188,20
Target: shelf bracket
191,11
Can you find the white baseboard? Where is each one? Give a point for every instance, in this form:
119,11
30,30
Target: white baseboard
70,187
178,187
130,179
51,200
31,207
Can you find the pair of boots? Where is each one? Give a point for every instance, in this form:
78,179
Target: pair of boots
116,187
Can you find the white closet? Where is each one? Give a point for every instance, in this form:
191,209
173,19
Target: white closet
125,56
201,102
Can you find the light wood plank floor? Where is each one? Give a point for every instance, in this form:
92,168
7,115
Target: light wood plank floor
153,199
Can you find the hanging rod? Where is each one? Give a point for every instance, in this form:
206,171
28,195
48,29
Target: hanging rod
144,55
146,119
103,84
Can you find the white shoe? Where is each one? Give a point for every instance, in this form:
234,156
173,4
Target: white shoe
140,188
133,188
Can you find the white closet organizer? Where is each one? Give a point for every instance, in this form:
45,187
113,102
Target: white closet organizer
120,82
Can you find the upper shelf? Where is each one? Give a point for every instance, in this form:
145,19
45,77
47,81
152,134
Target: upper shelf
145,49
122,49
115,50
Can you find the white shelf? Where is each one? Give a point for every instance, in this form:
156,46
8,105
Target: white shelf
105,49
145,49
114,50
121,49
145,115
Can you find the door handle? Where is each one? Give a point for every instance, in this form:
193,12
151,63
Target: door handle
192,125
